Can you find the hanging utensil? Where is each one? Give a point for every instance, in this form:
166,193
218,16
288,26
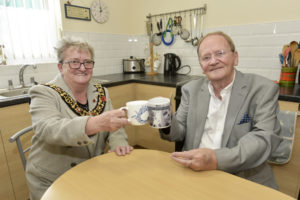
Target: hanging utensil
201,25
178,20
184,33
149,27
156,37
167,36
177,23
195,39
191,29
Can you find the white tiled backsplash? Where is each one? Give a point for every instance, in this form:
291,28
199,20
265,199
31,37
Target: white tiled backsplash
258,46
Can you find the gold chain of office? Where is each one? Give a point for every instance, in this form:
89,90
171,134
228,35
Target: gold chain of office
101,101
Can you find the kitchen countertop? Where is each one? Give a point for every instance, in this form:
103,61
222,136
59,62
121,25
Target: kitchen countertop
159,79
286,94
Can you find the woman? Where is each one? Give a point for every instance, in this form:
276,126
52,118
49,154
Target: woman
72,119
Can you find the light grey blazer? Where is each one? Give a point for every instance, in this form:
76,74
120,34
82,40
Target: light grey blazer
251,126
59,140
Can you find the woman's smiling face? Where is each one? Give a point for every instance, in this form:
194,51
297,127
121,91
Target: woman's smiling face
80,75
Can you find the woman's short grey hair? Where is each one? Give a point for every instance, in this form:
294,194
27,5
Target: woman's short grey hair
70,41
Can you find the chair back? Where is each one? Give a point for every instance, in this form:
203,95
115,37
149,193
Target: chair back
16,138
287,174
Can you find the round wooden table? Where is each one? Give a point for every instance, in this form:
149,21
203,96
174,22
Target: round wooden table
151,174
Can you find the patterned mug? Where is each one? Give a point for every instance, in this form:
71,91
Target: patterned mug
137,112
159,112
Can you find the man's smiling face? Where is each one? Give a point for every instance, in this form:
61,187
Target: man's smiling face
217,59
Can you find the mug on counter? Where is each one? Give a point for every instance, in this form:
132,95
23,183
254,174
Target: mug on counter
137,112
159,112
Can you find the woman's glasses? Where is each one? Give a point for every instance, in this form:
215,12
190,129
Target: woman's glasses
75,64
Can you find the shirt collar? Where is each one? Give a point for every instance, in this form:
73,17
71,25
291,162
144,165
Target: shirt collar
224,91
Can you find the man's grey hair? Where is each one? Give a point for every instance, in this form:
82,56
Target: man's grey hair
220,33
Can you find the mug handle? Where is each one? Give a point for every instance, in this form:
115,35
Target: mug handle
124,108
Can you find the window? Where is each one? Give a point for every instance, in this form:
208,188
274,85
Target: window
29,29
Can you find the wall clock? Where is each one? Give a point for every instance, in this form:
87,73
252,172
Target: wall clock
99,11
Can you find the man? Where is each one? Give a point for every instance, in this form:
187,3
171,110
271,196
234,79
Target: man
227,120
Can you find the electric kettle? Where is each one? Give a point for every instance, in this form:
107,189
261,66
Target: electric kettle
172,64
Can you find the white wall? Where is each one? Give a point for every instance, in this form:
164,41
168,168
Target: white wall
220,13
129,16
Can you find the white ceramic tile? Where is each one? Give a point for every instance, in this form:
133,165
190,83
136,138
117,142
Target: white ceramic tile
288,27
264,29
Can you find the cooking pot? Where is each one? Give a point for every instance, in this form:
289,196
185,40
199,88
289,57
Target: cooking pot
133,65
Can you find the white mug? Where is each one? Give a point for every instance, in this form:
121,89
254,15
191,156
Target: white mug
137,112
159,112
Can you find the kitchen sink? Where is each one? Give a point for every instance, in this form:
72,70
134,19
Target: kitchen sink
14,92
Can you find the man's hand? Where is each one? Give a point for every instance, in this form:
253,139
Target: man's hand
122,150
197,159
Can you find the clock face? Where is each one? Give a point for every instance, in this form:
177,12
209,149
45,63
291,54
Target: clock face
99,11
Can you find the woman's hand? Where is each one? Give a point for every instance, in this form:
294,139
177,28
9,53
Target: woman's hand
109,121
122,150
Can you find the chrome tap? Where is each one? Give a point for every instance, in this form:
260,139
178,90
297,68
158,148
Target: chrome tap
21,74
